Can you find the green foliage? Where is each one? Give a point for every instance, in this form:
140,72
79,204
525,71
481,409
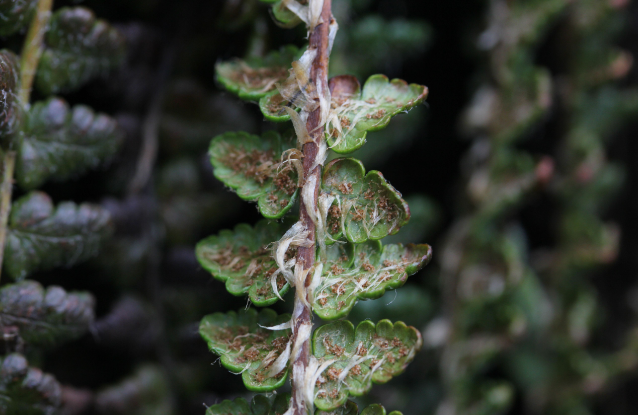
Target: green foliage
146,392
59,143
42,237
247,347
10,107
351,408
25,390
355,111
282,14
254,77
45,317
78,48
242,259
365,206
351,360
254,168
260,405
15,15
366,273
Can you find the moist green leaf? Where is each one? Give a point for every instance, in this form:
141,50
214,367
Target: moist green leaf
242,259
25,390
59,142
45,317
78,48
42,237
371,354
284,17
260,405
14,15
364,273
254,77
10,108
272,107
252,166
145,392
246,346
356,112
365,206
349,408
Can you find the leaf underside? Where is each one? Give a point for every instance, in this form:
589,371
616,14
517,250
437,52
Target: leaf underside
365,273
15,15
251,166
354,111
282,16
78,48
45,317
10,108
241,258
245,346
369,354
351,408
60,142
42,237
260,405
254,77
26,390
365,207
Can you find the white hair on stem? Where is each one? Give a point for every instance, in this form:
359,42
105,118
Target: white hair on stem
281,362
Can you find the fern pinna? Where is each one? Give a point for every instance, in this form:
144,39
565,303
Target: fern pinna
331,255
40,142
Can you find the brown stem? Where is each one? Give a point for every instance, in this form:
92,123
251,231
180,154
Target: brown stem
319,40
8,164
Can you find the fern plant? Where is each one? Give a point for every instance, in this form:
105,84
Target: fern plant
331,254
48,141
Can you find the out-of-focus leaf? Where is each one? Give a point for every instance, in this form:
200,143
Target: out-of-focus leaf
246,346
42,237
25,390
45,317
364,273
242,260
60,142
254,77
353,360
10,108
78,48
260,405
144,393
15,14
364,206
252,166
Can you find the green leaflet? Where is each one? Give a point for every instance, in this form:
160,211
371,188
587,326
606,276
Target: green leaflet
15,14
284,17
253,77
351,408
10,108
252,166
78,48
45,317
371,354
242,259
260,405
25,390
146,392
354,112
364,273
42,237
245,346
357,112
365,207
59,142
